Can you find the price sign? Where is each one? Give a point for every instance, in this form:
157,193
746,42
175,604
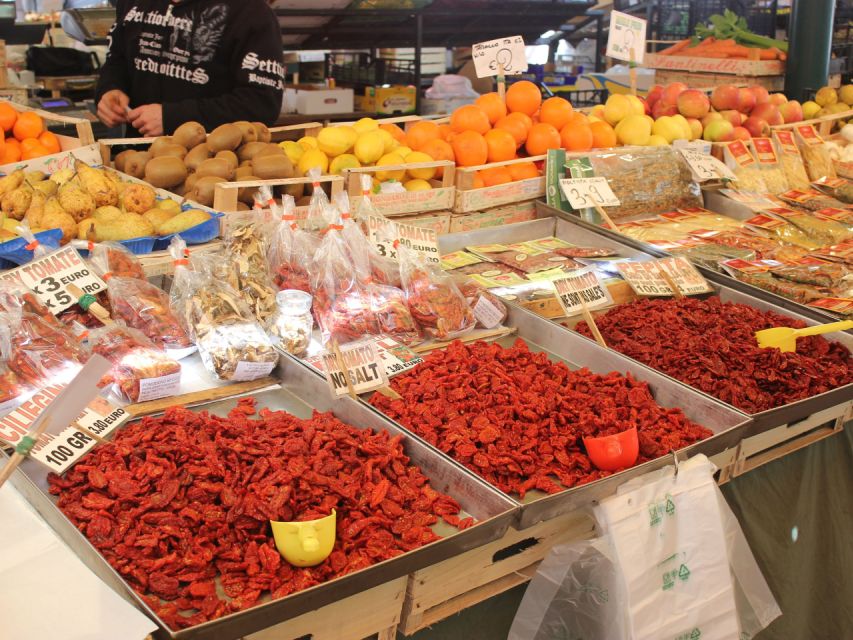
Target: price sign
582,288
419,239
397,357
361,364
49,277
487,313
626,39
583,193
507,53
706,167
645,278
685,276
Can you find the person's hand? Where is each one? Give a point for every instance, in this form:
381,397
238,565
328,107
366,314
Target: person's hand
112,108
147,119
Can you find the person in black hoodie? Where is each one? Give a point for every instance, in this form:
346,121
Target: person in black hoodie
173,61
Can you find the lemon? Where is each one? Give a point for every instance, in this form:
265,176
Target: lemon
308,142
342,162
313,158
388,141
424,174
386,160
349,132
402,151
417,185
369,147
333,142
293,150
810,109
366,124
656,141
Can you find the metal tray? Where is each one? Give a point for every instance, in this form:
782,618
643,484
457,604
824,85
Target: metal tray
546,211
577,231
301,392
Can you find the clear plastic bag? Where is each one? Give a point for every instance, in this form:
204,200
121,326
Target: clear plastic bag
12,390
114,258
291,249
383,269
489,310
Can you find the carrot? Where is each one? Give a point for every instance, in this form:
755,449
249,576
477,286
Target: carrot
783,56
707,42
678,46
738,51
769,54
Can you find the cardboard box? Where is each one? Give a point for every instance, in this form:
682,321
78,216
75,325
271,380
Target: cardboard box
518,212
319,100
396,99
438,221
437,107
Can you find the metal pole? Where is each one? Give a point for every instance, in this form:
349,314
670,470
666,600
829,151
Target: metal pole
599,25
810,42
419,37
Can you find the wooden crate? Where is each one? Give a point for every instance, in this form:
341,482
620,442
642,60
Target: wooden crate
371,612
225,193
84,127
714,66
440,197
470,199
402,121
703,80
443,589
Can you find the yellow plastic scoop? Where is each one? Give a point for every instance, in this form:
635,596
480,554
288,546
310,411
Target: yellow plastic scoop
785,338
305,544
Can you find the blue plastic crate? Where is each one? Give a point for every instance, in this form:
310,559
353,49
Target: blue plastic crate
15,251
199,234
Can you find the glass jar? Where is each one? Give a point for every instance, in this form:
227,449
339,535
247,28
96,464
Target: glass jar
293,322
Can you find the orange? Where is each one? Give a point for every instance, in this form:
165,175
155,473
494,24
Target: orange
492,104
8,116
469,117
398,134
420,133
34,151
523,171
501,145
439,150
577,116
478,181
470,149
556,112
495,175
50,142
444,132
29,143
11,151
542,137
28,125
603,135
576,136
516,127
523,97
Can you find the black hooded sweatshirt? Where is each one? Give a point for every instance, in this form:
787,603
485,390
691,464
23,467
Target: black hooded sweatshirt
212,61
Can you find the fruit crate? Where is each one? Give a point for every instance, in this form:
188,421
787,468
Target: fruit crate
439,197
469,198
226,196
66,143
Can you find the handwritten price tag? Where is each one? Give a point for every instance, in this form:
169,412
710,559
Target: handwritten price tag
508,53
396,357
361,364
626,38
706,167
419,239
646,280
583,193
685,276
580,289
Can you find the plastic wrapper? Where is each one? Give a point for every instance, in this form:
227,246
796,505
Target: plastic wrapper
42,353
827,232
795,291
647,180
773,178
383,269
140,370
791,234
761,246
488,309
291,249
115,258
710,255
834,277
790,160
812,200
435,301
11,388
231,343
526,263
818,161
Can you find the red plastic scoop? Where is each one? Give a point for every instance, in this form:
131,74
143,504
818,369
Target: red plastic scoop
611,453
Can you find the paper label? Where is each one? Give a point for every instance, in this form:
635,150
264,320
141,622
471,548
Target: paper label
161,387
397,357
739,153
491,55
360,363
487,314
49,277
787,143
246,371
836,305
831,213
419,239
764,222
549,244
685,276
583,193
799,196
644,278
706,167
764,151
832,183
808,134
581,289
626,38
458,259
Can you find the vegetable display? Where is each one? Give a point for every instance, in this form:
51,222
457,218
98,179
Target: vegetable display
517,419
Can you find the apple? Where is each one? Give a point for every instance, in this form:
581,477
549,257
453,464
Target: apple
672,91
725,97
792,111
654,95
760,93
714,115
693,103
740,133
717,130
732,116
769,112
778,99
695,128
757,127
663,108
746,99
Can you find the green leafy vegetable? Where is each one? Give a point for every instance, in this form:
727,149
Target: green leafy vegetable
730,26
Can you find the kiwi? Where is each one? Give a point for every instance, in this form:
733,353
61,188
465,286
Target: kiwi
230,157
190,135
270,150
190,181
165,172
295,190
121,159
215,167
180,190
250,150
197,155
274,166
226,137
159,142
203,189
242,206
262,131
246,194
243,171
177,150
245,163
135,163
250,134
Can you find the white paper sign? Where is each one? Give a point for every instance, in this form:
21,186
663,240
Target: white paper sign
49,277
160,387
706,167
487,314
583,193
582,288
245,371
685,276
419,239
626,34
361,364
396,357
645,279
507,52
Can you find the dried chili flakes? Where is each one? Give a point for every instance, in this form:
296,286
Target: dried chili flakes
518,419
180,504
710,345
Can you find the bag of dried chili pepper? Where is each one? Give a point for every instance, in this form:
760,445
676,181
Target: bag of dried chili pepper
434,299
43,353
140,370
291,248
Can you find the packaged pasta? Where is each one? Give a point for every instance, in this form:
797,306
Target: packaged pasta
771,170
791,160
743,164
816,155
